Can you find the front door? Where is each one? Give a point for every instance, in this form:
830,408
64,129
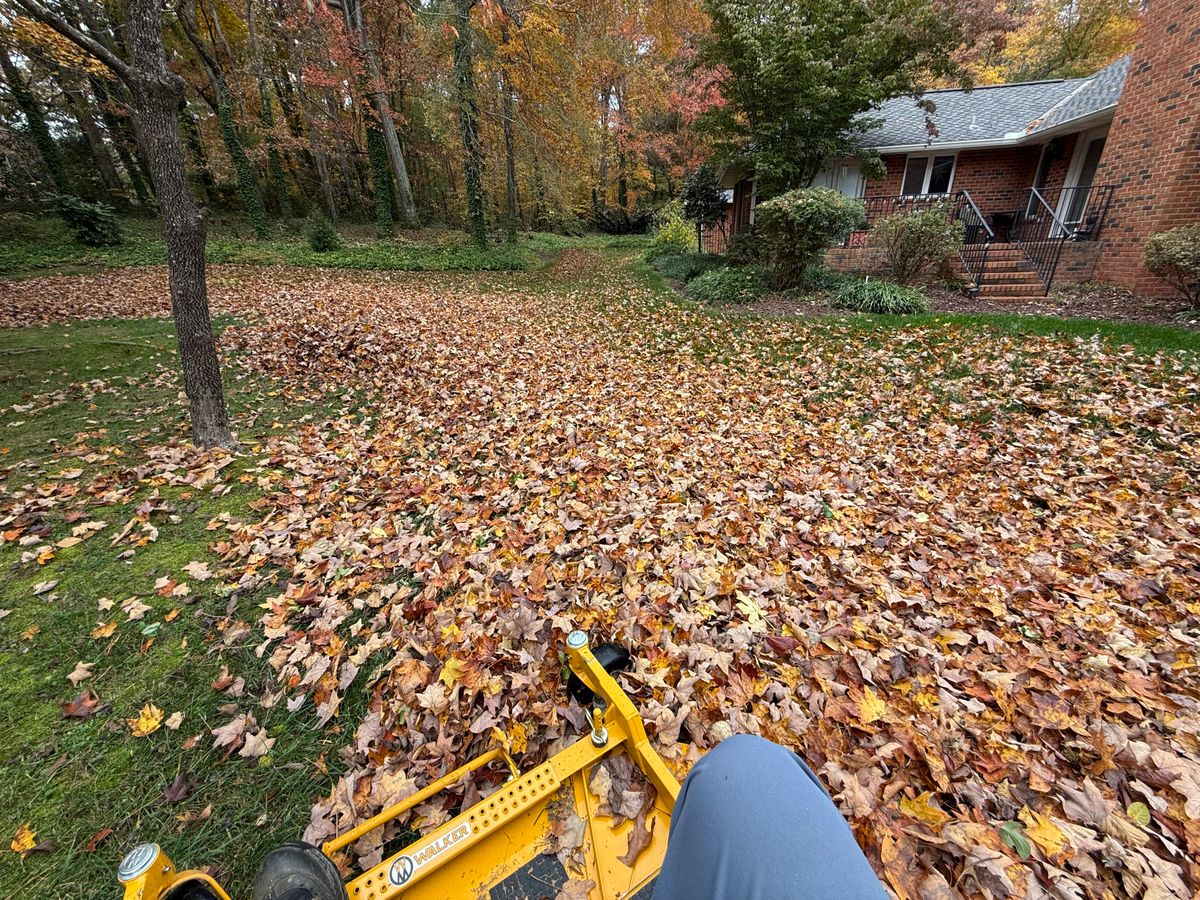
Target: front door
1073,205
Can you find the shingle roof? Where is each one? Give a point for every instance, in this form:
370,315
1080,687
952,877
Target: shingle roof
1099,92
1000,113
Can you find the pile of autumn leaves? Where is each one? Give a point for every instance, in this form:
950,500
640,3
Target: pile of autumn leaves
956,571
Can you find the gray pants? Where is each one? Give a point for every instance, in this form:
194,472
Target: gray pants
753,821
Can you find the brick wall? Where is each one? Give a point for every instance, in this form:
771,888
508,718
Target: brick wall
1153,148
1078,262
856,260
995,178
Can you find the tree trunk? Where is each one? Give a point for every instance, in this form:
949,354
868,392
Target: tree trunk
381,176
81,109
36,123
266,115
468,120
195,144
119,134
158,96
247,182
377,94
512,206
605,107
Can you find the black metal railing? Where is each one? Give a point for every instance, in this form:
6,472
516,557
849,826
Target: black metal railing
1040,234
977,237
1082,210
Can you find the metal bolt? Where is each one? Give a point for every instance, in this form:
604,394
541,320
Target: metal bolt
577,640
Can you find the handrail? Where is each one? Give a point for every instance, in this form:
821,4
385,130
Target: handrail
1057,221
973,252
966,195
1040,235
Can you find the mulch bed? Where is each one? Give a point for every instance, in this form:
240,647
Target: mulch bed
1083,301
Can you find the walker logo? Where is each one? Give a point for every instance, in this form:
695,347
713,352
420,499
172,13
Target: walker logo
405,866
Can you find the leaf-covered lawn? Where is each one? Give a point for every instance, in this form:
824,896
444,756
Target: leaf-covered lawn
954,565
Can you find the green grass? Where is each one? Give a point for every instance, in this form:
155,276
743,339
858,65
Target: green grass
56,253
1142,336
93,390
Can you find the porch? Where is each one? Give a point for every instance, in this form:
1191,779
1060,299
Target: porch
1013,240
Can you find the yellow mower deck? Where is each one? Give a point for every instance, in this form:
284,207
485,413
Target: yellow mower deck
495,848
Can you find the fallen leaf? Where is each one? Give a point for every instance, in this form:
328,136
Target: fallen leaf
198,570
925,810
97,839
104,630
81,672
148,721
82,706
24,840
870,708
179,789
257,744
192,818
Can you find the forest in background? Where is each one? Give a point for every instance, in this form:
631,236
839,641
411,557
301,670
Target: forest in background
567,116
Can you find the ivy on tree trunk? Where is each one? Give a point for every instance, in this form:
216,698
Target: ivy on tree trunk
468,120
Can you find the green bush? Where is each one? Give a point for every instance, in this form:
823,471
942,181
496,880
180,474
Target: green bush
94,224
1174,256
728,285
799,225
703,199
875,296
322,237
674,235
818,279
686,266
747,247
914,241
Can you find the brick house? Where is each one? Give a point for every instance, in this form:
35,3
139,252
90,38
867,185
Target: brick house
1061,179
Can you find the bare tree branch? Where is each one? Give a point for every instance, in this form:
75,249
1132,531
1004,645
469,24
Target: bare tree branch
73,34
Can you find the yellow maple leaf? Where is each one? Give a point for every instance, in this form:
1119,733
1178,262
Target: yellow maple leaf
451,671
518,739
24,841
103,631
923,809
148,721
870,708
1043,832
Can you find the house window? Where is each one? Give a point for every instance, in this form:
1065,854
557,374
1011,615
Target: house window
928,175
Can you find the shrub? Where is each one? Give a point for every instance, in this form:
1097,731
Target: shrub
800,224
94,224
728,285
322,237
875,296
703,200
674,236
1174,256
620,221
914,241
821,279
686,266
747,247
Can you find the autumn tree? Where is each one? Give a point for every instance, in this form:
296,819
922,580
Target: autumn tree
157,94
797,76
468,118
1061,39
247,179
